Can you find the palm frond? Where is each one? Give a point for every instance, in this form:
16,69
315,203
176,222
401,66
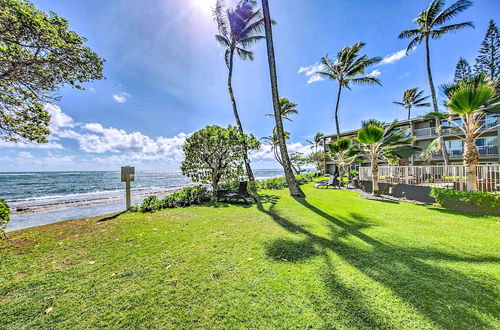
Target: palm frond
222,40
244,54
367,80
249,41
436,34
414,43
451,12
409,34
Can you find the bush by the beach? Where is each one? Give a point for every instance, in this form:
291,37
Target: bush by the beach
467,200
4,216
280,182
186,197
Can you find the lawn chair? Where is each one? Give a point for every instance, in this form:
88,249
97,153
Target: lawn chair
333,181
241,194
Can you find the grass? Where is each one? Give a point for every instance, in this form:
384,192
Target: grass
333,260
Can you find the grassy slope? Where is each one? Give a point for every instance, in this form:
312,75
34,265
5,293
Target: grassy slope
333,260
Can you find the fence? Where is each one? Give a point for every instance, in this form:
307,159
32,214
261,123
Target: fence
450,177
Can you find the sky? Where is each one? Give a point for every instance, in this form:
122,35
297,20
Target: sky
166,77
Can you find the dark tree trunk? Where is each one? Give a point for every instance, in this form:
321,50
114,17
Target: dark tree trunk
337,112
237,118
444,152
293,185
409,113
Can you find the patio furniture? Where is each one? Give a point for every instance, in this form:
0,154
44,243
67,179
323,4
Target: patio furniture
242,194
333,181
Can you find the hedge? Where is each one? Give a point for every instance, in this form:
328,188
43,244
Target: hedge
467,201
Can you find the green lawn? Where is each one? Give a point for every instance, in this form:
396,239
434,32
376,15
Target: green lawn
333,260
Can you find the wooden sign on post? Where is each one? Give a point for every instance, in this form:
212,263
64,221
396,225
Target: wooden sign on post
128,175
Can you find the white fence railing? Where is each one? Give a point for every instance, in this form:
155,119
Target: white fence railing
451,177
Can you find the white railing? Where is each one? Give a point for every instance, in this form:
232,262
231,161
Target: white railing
451,177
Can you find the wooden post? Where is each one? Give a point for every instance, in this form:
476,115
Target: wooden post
127,175
127,194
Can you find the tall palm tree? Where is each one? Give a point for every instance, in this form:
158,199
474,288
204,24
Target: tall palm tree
471,99
430,25
239,28
348,68
413,98
293,185
378,142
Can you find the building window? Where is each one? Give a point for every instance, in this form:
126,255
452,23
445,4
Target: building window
487,145
455,148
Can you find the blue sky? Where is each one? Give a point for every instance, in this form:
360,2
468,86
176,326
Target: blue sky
166,77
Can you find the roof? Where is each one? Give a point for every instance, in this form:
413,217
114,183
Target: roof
399,123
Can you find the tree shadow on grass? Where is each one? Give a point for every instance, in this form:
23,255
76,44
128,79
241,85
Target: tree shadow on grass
446,297
473,215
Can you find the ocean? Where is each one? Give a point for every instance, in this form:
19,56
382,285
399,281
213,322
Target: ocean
39,198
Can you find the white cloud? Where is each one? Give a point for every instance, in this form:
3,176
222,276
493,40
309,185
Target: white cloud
394,57
24,155
375,73
121,97
58,119
265,151
311,72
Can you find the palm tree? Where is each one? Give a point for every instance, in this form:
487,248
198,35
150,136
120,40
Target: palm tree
413,98
430,25
273,141
287,108
379,142
239,28
343,153
293,185
471,100
349,67
318,140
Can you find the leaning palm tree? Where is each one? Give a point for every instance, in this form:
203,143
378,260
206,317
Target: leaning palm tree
239,28
412,98
348,68
293,185
378,142
430,25
471,100
273,141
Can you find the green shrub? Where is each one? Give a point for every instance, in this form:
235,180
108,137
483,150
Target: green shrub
467,201
281,183
150,204
4,216
186,197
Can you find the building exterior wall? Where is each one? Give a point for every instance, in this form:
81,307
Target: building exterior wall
424,131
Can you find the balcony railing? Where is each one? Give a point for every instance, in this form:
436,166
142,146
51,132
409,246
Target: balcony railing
431,131
483,151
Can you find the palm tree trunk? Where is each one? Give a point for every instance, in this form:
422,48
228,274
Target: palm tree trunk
444,152
293,185
471,155
374,163
337,112
237,118
409,113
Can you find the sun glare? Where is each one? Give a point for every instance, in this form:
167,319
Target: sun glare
204,5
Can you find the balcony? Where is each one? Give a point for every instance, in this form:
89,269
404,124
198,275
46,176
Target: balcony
484,151
431,131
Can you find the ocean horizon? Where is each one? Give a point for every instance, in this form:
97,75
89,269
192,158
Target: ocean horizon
39,198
